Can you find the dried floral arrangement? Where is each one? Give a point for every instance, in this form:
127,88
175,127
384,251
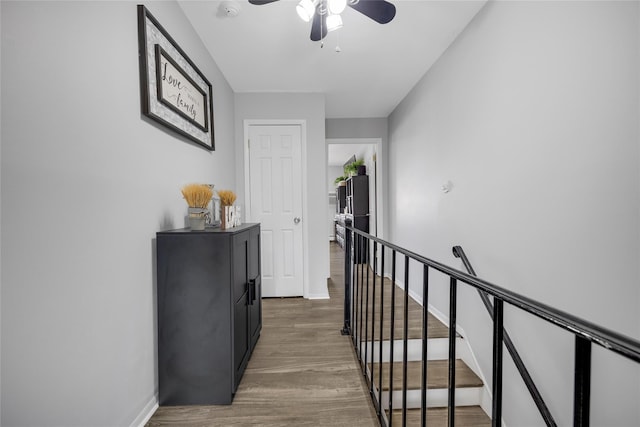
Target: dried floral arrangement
227,197
197,195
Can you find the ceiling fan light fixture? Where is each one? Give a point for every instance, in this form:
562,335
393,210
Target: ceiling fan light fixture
334,22
305,10
336,7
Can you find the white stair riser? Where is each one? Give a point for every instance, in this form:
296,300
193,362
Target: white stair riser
436,398
438,349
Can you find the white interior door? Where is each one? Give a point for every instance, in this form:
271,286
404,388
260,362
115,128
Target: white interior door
275,175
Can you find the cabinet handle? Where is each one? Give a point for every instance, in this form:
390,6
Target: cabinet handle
252,291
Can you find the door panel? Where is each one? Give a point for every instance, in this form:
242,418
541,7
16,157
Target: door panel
275,199
240,279
241,338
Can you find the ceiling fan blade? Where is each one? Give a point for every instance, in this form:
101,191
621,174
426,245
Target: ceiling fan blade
380,11
318,27
261,2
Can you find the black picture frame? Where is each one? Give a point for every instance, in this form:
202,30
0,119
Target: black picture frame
183,102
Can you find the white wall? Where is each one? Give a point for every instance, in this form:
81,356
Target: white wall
0,231
533,115
86,184
308,107
332,173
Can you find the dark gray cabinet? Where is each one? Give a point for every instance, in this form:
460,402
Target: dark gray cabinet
209,312
357,195
358,209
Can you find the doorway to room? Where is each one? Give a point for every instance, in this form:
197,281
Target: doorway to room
339,152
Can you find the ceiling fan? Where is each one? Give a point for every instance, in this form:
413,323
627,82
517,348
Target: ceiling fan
326,13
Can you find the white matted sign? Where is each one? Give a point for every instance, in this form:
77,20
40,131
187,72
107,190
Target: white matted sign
177,91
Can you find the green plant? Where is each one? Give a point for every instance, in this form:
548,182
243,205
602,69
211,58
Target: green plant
340,178
352,168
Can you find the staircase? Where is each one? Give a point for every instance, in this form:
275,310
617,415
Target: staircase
404,352
386,374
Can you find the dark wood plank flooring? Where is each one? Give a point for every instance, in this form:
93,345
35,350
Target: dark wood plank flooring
302,372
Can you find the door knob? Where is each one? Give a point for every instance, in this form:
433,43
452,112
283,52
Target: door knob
296,220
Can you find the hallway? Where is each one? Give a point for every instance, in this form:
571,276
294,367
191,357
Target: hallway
302,372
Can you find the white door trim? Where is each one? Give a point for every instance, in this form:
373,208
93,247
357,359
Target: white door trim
247,183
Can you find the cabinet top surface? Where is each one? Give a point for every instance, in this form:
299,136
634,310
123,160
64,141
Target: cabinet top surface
211,230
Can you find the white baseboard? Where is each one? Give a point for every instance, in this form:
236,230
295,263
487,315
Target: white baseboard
318,296
146,413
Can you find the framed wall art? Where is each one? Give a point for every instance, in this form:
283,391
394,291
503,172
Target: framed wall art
173,91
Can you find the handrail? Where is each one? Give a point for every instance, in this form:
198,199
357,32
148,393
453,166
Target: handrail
611,340
359,303
458,252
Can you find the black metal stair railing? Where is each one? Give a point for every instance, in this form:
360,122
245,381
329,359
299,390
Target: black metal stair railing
360,301
458,252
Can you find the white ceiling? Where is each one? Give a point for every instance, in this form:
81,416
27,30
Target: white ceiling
267,49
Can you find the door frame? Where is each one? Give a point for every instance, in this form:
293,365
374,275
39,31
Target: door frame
380,208
303,166
380,194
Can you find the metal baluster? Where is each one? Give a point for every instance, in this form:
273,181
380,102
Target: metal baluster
425,337
498,336
346,328
392,337
582,383
458,252
373,319
380,340
405,340
356,312
366,320
453,285
356,301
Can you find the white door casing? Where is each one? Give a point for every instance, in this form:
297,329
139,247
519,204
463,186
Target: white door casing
274,199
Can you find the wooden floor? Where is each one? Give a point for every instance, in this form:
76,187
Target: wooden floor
302,372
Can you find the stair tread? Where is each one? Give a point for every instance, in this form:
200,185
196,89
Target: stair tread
466,416
437,375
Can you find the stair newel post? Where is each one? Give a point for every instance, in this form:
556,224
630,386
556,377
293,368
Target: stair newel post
453,286
425,337
498,336
582,382
392,334
348,283
405,340
380,340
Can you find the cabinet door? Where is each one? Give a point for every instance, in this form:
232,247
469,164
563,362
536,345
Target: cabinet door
360,193
240,339
241,336
255,304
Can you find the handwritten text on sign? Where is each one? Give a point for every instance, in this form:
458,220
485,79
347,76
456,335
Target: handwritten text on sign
178,91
